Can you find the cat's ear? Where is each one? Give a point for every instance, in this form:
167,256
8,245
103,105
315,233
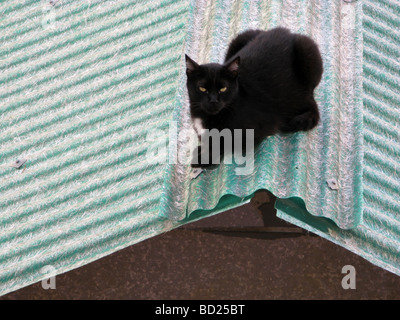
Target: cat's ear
191,66
233,67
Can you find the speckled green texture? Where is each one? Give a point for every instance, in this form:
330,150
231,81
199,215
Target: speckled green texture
297,165
83,84
377,238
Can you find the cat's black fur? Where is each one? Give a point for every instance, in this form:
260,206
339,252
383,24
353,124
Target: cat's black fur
270,78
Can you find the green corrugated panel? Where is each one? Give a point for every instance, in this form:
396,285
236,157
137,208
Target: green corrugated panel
83,85
297,165
377,238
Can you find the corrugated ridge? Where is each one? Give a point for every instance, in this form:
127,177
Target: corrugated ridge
20,24
378,238
8,136
80,100
57,179
83,49
381,119
382,122
38,68
91,20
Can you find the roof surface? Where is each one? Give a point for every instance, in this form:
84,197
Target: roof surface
89,94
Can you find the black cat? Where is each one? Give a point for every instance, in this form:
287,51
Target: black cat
266,83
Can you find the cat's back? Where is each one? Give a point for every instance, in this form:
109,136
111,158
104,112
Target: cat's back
270,48
266,63
280,56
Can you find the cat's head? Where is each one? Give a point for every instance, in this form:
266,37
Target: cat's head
212,87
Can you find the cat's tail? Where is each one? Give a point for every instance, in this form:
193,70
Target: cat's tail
307,62
240,41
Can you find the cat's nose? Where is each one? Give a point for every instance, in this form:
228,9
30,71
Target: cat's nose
213,98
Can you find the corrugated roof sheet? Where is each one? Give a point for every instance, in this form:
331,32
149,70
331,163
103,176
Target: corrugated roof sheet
83,85
377,238
298,165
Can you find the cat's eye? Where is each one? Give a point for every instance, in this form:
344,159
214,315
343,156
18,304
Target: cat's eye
222,89
202,89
